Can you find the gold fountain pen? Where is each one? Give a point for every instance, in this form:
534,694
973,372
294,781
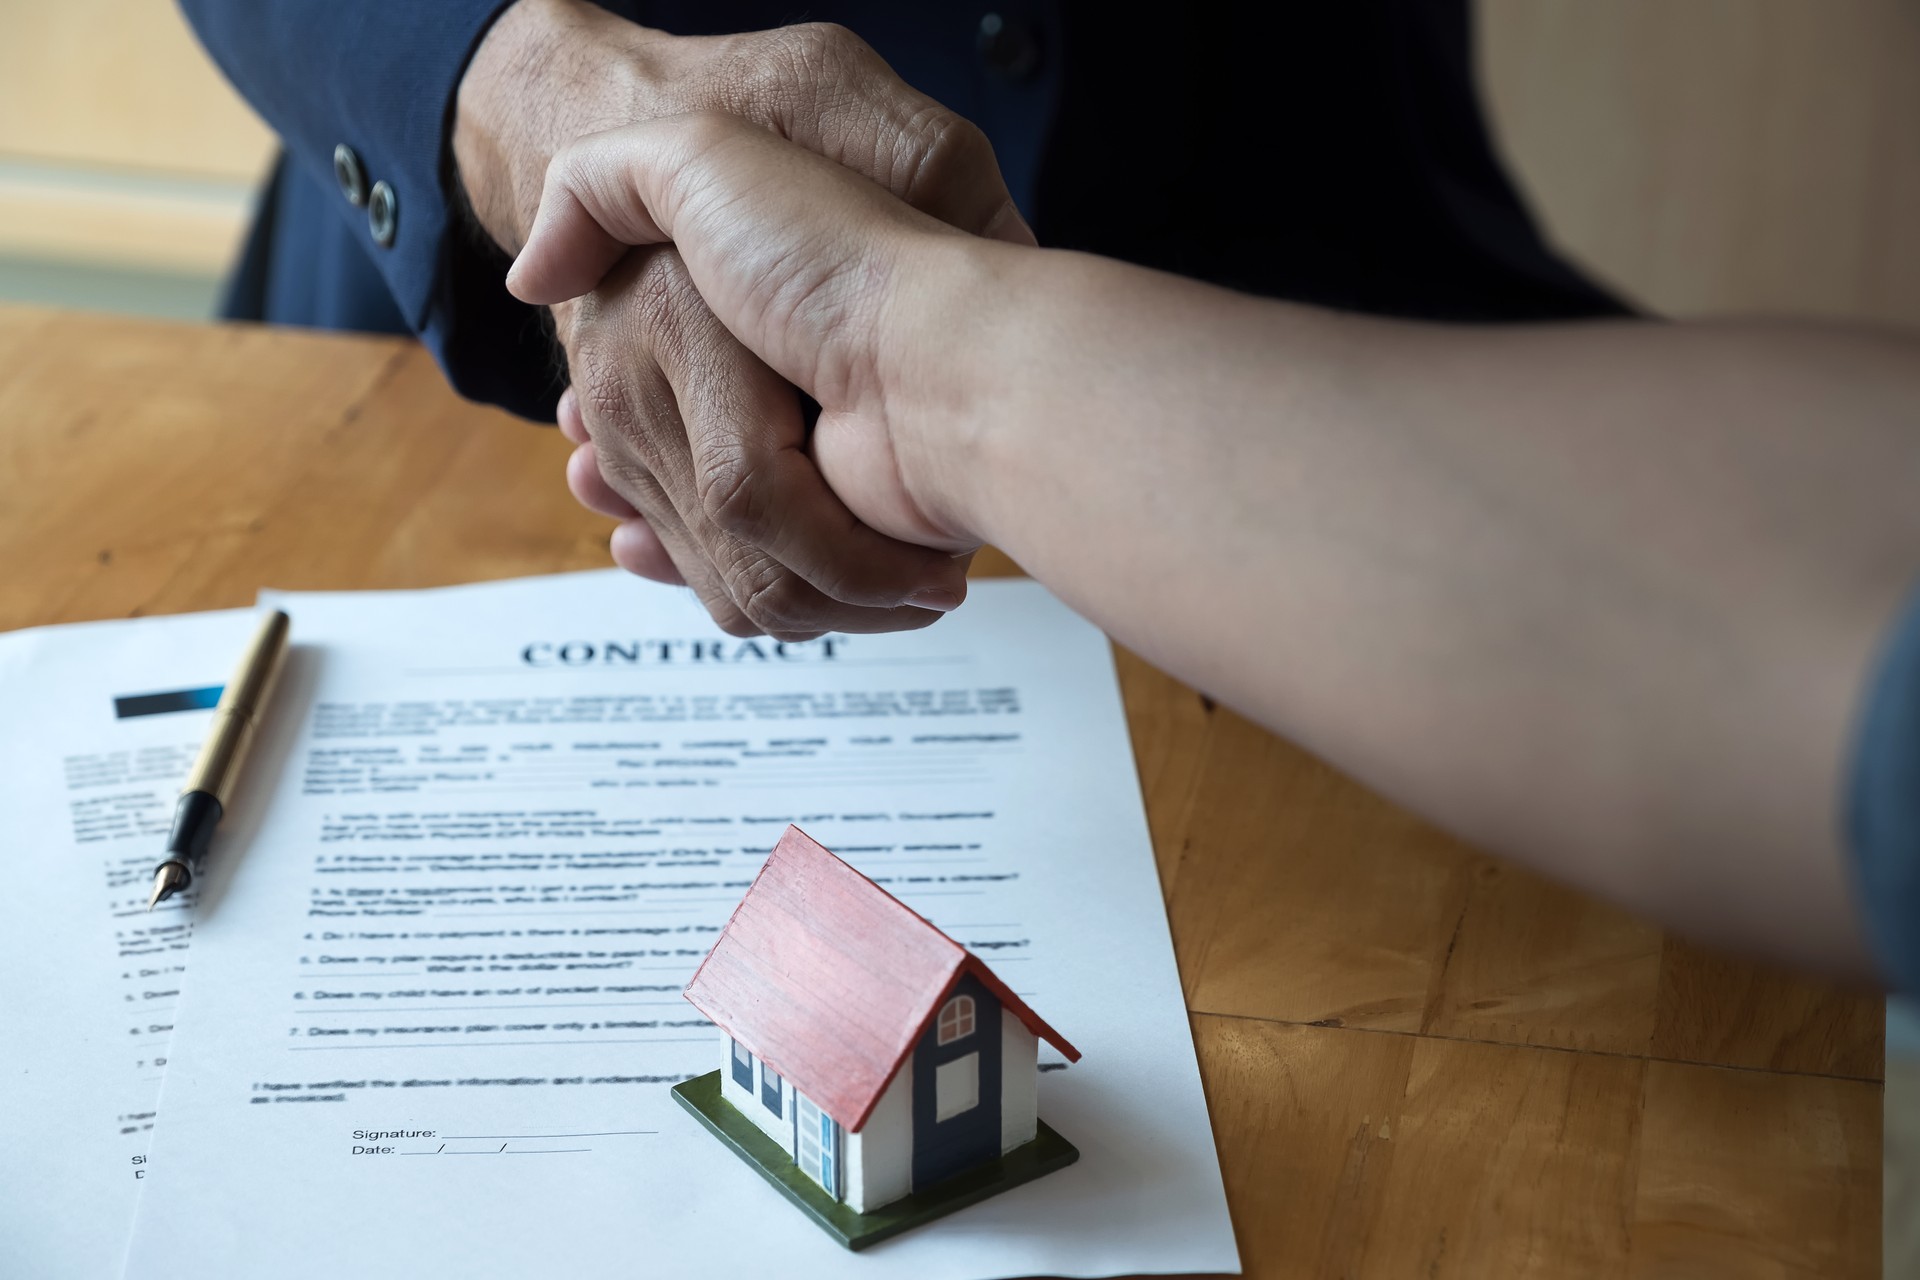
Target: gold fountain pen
204,799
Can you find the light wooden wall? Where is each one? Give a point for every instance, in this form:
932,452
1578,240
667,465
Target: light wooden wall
120,145
1720,155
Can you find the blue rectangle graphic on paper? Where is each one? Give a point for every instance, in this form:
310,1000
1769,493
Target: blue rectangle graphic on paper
127,706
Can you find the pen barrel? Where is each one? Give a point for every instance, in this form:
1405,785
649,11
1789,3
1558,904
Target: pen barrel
225,750
230,736
252,683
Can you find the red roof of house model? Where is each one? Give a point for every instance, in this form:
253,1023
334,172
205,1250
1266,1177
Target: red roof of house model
831,980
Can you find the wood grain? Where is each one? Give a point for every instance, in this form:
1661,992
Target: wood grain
1304,1119
1301,897
1420,1061
1534,963
1755,1173
1380,1154
1541,1132
1713,1009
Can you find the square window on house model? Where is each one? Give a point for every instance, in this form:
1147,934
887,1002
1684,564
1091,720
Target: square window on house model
917,1097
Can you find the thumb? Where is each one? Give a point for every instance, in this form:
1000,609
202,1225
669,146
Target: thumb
594,205
785,246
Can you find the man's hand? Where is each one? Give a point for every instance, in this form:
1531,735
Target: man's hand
845,291
695,444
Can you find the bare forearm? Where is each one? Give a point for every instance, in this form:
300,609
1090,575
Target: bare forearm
1598,597
1601,597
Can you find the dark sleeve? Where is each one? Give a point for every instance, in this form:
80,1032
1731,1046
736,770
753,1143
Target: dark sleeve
380,76
1883,806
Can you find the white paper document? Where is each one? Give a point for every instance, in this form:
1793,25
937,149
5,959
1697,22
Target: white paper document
434,1009
98,726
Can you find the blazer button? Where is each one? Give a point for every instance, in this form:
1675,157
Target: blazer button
1009,47
350,175
383,214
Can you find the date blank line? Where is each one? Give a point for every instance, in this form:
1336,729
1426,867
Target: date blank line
537,1151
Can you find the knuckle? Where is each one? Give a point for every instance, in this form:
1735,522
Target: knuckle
633,480
630,417
792,67
629,477
666,312
945,150
819,45
775,599
733,495
601,386
728,618
716,592
776,604
710,584
665,338
621,386
707,134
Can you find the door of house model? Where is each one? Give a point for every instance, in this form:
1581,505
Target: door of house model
817,1145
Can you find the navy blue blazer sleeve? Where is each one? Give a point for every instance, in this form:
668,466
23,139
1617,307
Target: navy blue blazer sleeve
380,76
1883,806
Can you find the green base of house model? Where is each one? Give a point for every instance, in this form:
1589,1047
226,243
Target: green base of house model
1047,1152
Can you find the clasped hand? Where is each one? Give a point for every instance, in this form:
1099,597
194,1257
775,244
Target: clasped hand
685,433
802,263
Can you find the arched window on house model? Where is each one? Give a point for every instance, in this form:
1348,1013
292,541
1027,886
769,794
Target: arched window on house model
956,1019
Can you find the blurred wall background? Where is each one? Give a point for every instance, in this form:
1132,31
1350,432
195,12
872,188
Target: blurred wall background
127,166
1711,156
1720,155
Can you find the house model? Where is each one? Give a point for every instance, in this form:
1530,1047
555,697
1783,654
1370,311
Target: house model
875,1071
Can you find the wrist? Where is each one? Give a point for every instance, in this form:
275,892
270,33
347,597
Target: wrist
959,353
546,72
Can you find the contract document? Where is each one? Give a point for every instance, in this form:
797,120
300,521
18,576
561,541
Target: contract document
433,1009
101,723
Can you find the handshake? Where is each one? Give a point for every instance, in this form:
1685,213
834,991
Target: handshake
768,232
812,278
1605,597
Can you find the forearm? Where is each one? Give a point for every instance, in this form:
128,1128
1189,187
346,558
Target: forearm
1600,597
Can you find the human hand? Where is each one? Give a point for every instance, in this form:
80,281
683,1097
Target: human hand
838,287
685,436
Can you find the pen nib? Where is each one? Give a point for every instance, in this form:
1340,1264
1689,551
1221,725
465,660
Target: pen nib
168,880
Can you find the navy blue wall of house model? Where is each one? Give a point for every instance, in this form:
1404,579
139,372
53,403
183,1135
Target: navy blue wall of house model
942,1148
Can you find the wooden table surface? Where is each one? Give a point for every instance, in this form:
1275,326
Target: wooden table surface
1420,1062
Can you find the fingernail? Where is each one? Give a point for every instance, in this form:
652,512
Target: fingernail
938,600
1008,225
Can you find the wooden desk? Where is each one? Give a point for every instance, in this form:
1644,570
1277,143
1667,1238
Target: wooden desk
1420,1062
